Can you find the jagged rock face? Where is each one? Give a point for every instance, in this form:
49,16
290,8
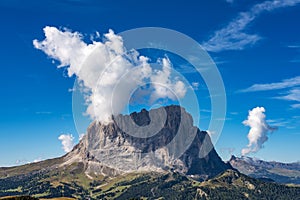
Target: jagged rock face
159,140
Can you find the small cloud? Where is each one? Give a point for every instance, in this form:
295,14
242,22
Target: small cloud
285,83
25,161
277,122
223,119
295,61
81,136
259,129
37,160
205,110
293,46
71,90
65,116
163,86
43,113
195,85
95,36
292,95
67,141
234,36
21,161
229,1
295,106
234,113
291,85
211,133
185,69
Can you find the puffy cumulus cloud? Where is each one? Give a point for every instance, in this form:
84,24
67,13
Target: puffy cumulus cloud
66,47
67,141
164,87
259,130
107,71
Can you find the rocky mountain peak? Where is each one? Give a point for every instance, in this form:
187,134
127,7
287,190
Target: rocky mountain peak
162,139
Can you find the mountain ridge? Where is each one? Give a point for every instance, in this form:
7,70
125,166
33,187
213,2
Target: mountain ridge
269,170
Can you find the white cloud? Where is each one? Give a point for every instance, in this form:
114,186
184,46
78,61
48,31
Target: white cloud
296,106
286,83
293,46
81,136
229,1
195,85
211,133
205,110
295,61
37,160
71,90
21,161
67,141
278,122
163,86
223,119
66,47
107,71
234,36
259,130
43,112
293,95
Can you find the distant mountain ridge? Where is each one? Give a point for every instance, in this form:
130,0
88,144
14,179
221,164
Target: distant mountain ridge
268,164
276,171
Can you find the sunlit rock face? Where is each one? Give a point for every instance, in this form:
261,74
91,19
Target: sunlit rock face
162,139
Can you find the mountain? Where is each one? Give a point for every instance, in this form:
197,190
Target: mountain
123,147
125,160
269,171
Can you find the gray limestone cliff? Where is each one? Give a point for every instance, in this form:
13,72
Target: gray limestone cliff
162,139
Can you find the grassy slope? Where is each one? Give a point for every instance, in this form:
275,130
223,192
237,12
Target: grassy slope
28,168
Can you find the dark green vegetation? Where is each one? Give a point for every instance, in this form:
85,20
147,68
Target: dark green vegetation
71,181
37,180
234,185
19,198
31,198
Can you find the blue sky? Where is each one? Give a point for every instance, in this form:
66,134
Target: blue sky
252,42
